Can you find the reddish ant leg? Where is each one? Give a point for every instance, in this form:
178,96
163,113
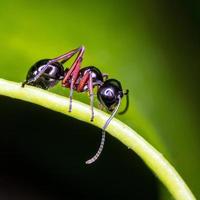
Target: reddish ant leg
72,74
65,57
74,66
73,80
83,82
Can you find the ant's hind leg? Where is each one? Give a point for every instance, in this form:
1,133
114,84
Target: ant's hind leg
75,66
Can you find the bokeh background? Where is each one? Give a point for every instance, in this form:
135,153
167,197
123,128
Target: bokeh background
152,47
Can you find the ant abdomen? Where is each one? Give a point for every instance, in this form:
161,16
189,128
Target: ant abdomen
52,74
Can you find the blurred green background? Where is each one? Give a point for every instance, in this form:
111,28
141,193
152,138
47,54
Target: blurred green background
152,47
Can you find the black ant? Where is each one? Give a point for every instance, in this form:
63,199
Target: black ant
47,72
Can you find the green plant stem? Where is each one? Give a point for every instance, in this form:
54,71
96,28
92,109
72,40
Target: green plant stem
154,159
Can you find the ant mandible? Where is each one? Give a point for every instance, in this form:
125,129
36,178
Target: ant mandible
47,73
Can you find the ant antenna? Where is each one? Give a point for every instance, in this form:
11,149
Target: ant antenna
96,156
127,103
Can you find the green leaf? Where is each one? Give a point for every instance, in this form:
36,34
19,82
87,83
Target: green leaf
155,160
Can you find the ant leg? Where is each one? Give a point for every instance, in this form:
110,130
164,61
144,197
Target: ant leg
83,82
87,79
75,66
73,80
98,153
63,58
90,88
127,102
73,75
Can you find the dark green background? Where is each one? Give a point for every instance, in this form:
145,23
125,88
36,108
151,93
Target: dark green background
152,47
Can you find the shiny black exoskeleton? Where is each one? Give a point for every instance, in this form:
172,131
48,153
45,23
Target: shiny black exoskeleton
96,74
49,78
47,73
109,93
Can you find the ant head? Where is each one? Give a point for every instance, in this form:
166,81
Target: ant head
110,93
